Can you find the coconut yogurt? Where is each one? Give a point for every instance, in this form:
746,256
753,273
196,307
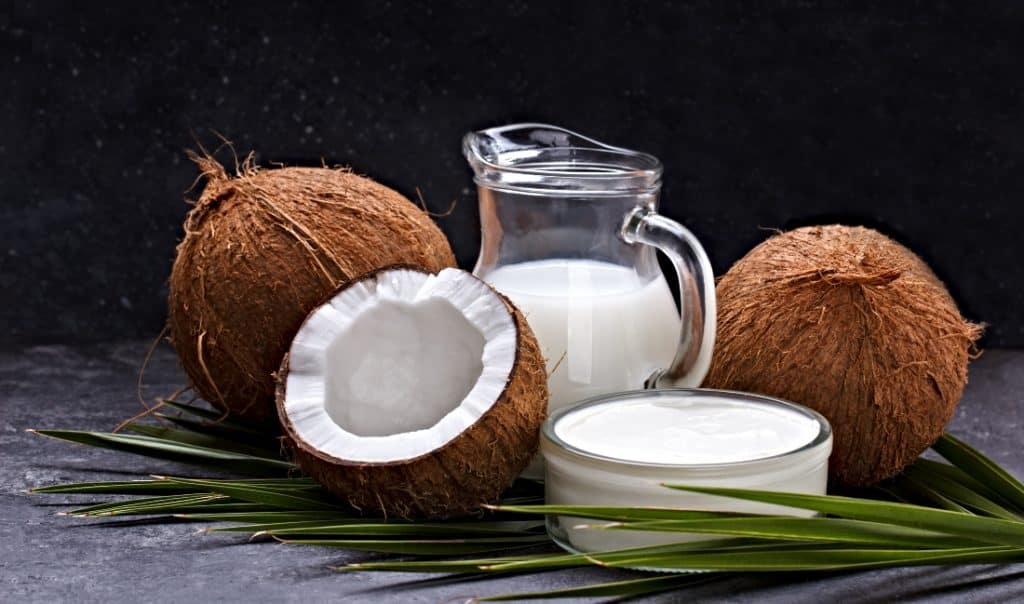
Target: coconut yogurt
621,449
702,430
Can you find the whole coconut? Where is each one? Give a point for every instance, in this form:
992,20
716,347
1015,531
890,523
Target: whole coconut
852,324
265,247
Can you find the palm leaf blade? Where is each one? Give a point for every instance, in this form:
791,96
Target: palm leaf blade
838,530
814,559
960,493
170,450
118,487
199,439
976,464
980,528
278,498
410,528
427,547
164,504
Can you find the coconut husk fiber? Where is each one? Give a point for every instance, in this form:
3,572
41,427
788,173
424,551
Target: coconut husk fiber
848,322
263,248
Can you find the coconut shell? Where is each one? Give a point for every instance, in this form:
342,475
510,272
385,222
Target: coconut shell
469,471
848,322
265,247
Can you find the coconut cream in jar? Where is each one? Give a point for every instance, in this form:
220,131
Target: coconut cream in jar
620,449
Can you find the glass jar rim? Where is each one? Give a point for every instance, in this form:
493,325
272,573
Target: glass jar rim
824,427
541,158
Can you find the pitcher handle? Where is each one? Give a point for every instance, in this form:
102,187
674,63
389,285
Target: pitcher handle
696,295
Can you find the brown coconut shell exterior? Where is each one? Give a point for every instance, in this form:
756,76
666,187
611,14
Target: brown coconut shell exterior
850,323
265,247
469,471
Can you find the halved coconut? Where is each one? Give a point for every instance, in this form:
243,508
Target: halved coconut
413,394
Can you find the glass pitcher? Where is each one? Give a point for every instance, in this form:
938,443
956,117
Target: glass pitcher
569,233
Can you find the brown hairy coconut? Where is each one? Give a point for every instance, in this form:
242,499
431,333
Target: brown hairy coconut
414,395
262,249
852,324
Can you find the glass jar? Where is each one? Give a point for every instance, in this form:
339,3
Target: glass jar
575,475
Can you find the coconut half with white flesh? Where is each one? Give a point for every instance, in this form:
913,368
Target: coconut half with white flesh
414,395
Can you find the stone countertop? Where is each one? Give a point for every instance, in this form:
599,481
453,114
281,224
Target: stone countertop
45,557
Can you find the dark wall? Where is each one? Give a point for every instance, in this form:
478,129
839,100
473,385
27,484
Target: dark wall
908,118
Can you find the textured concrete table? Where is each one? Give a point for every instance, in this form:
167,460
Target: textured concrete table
44,557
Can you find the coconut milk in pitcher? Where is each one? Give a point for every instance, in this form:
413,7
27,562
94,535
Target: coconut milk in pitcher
585,315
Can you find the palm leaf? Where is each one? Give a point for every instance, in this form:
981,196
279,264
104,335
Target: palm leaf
265,517
908,490
172,451
230,422
297,484
208,441
951,474
814,559
754,547
163,504
443,566
301,483
958,492
286,498
973,514
620,513
979,528
986,471
837,530
551,561
222,429
421,529
118,487
428,547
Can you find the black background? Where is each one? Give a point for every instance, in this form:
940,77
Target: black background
908,117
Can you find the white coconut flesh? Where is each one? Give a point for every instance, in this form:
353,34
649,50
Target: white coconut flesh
399,364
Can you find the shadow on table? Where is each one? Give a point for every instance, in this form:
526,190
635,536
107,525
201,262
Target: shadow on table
997,583
998,586
982,582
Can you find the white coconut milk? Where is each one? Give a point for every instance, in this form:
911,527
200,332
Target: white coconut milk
601,327
694,431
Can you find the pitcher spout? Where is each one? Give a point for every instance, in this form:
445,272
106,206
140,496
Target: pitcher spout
545,159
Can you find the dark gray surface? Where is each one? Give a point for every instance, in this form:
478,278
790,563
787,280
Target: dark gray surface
44,557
